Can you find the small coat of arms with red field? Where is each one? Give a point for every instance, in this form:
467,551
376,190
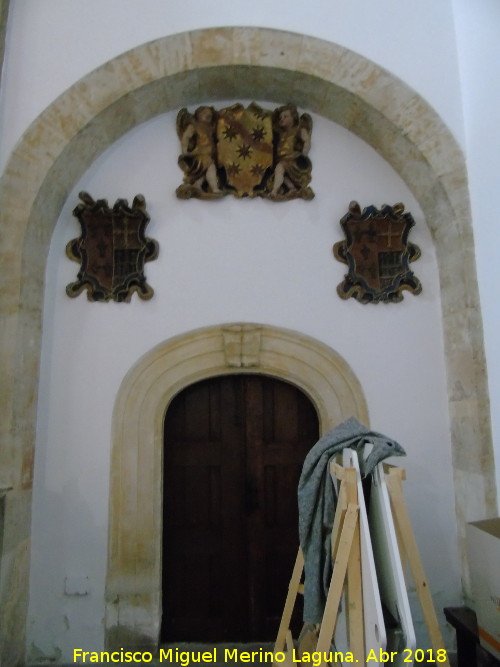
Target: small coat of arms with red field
378,254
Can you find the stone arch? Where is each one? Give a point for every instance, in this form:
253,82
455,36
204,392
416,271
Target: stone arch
225,63
133,592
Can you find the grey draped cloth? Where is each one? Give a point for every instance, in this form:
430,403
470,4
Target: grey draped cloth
317,502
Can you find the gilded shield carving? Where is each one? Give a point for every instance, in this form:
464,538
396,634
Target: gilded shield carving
246,152
245,148
378,254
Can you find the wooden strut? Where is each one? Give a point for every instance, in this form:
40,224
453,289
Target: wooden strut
409,549
346,560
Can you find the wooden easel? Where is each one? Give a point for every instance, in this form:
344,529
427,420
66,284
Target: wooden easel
346,559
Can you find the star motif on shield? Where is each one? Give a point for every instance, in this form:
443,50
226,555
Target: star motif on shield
245,151
259,113
257,169
233,169
230,133
259,133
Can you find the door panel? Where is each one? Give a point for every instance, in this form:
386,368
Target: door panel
234,447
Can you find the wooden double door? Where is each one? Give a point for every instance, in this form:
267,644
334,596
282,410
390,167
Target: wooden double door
234,449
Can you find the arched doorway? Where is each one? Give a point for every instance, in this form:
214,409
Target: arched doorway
234,448
133,586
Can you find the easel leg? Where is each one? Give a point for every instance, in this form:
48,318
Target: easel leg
355,618
400,512
337,583
345,541
293,589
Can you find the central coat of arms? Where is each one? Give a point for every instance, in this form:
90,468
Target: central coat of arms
245,147
247,152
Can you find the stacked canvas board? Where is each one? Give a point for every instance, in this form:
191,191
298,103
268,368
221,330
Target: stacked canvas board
371,623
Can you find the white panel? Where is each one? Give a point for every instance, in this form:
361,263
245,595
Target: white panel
375,634
391,579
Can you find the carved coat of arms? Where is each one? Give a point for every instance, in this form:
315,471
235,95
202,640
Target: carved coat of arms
111,250
245,147
378,254
247,152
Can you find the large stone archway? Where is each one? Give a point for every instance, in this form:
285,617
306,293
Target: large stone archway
206,65
133,589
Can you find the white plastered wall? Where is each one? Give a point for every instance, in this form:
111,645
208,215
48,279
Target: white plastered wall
477,26
225,261
53,43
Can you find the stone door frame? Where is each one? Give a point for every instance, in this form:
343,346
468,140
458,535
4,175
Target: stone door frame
133,587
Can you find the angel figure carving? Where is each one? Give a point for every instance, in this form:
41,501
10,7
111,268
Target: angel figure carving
292,173
198,153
